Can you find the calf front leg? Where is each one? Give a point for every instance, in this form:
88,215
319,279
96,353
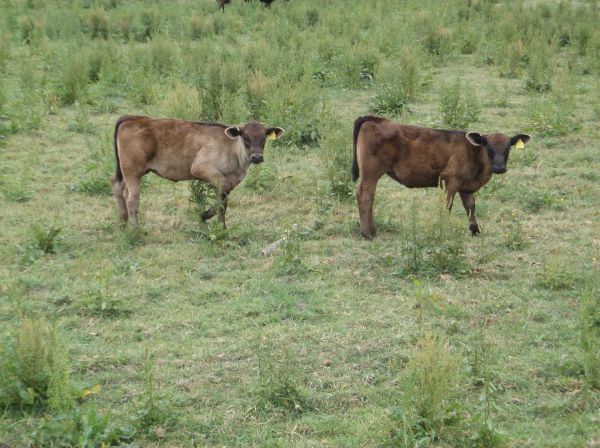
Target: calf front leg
223,209
206,215
468,201
217,179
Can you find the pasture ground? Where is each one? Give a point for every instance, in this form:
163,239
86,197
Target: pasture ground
197,339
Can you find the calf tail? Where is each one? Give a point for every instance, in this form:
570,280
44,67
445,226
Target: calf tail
120,121
357,125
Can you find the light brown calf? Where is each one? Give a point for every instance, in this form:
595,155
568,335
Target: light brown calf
183,150
422,157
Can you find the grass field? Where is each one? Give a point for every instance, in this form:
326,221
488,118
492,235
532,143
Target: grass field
180,334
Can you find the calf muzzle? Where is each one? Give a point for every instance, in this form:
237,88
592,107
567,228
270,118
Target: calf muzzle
499,169
256,158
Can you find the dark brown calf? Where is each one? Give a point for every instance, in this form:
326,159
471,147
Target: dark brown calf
183,150
423,157
222,3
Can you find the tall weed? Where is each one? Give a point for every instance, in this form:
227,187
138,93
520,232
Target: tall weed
539,68
398,82
335,153
433,244
83,427
72,76
459,105
430,391
35,368
99,166
278,386
182,101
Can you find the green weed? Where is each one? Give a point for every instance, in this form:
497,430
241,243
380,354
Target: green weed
398,83
213,232
278,386
99,166
535,200
201,27
100,302
203,195
35,368
72,76
133,236
182,101
81,123
555,275
459,105
44,238
430,390
96,24
152,413
258,89
262,178
31,29
335,153
16,188
540,68
290,258
512,230
433,247
426,301
553,116
436,39
83,427
147,24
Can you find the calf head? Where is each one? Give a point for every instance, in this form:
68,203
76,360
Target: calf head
497,146
254,135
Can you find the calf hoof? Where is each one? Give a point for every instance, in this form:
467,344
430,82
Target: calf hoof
205,216
368,236
474,228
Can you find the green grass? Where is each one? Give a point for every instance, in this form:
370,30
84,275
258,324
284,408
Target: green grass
184,334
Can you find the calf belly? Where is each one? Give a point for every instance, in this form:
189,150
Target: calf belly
414,178
174,170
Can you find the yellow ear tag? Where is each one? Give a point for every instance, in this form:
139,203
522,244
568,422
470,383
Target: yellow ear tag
520,144
272,136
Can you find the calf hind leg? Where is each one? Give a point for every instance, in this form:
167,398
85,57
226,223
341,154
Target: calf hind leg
133,198
118,188
365,196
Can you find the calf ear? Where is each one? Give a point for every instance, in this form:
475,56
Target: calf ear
274,133
475,138
233,132
523,137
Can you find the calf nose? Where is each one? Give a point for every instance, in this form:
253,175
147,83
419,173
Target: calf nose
256,158
499,169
